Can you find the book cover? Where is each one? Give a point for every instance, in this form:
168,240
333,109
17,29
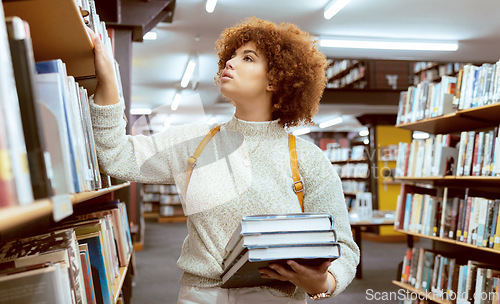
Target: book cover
52,80
244,273
12,119
285,222
25,75
48,284
282,238
87,273
97,262
55,132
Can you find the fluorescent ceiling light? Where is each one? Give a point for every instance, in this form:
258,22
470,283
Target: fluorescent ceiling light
175,102
389,45
140,111
366,141
210,6
149,36
334,7
331,122
420,135
301,131
188,73
364,133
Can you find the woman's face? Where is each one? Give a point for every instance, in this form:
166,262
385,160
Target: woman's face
245,75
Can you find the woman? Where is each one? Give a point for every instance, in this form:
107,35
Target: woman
274,76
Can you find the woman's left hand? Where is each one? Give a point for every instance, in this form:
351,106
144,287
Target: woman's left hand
312,280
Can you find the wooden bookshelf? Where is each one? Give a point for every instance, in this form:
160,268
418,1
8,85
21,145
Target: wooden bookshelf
83,196
462,120
172,219
11,217
424,294
340,162
118,284
450,241
482,182
58,32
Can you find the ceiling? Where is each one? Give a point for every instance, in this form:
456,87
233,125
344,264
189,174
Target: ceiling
157,66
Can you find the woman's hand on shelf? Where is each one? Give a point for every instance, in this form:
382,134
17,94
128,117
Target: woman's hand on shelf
106,92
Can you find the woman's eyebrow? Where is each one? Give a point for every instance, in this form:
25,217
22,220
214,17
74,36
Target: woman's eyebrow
250,51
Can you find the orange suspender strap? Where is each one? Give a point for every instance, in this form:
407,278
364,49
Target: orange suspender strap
298,186
197,153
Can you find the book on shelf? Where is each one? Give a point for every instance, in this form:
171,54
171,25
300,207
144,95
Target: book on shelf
275,238
25,76
455,216
43,283
473,86
13,144
53,247
472,153
448,279
87,273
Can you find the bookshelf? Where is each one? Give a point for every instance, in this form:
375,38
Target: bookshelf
17,216
456,194
163,203
58,31
422,294
70,42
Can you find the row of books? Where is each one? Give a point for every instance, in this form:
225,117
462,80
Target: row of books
446,278
335,153
166,199
432,71
352,170
308,238
161,189
354,186
353,78
77,261
474,86
473,153
472,220
46,139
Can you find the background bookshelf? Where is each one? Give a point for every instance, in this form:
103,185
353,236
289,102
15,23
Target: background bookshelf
163,203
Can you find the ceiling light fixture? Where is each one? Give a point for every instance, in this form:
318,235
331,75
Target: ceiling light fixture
389,44
334,7
420,135
301,131
175,102
140,111
210,6
364,132
149,36
331,122
188,73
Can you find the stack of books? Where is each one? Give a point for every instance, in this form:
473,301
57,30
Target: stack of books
259,240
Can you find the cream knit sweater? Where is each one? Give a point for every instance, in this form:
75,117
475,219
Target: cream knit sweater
245,169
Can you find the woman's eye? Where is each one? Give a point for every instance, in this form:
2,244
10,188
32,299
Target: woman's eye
248,58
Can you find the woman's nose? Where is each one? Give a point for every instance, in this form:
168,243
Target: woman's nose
229,64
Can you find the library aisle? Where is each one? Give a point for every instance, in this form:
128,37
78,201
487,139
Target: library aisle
157,276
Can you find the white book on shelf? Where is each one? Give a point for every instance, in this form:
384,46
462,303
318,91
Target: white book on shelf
461,153
55,131
469,152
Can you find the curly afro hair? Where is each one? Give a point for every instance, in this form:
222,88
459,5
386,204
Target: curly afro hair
295,67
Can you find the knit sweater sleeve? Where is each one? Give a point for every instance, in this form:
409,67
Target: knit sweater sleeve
323,193
158,158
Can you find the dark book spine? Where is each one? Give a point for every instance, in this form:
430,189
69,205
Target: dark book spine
24,72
